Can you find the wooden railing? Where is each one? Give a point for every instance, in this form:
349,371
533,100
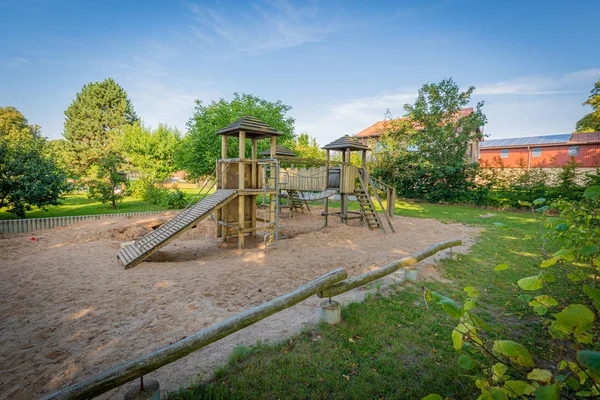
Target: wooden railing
328,285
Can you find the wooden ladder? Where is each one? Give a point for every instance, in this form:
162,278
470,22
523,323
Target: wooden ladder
296,203
367,209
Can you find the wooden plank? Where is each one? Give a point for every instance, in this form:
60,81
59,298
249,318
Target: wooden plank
115,377
370,276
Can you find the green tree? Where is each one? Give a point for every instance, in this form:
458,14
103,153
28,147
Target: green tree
306,147
93,119
111,182
201,147
427,151
28,175
591,122
150,153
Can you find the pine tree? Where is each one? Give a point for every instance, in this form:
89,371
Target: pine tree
96,115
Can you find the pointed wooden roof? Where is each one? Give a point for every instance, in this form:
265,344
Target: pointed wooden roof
254,128
279,151
346,142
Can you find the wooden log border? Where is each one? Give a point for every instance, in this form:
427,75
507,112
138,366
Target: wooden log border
36,224
371,276
328,285
105,381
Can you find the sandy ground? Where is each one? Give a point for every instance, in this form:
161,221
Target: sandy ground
69,310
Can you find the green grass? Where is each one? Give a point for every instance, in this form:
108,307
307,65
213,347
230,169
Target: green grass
399,349
79,204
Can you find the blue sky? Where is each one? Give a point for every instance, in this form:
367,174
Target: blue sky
339,64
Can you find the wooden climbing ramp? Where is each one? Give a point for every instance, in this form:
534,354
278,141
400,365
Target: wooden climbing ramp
186,219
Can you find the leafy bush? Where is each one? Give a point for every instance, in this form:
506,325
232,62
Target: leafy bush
503,368
171,199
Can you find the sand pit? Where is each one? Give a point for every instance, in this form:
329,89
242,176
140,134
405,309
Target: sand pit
69,309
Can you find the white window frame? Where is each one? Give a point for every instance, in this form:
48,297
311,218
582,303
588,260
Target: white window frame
504,153
536,152
574,150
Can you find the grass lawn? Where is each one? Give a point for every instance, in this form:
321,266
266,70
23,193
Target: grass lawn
79,204
391,346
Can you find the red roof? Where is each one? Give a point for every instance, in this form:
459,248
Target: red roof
378,128
586,137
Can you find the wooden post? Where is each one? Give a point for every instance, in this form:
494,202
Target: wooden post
347,156
326,205
242,186
221,213
220,210
393,202
364,164
254,185
272,197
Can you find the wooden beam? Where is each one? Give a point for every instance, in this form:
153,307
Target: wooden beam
105,381
242,186
223,146
254,185
370,276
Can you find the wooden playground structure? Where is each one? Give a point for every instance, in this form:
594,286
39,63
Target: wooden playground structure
283,181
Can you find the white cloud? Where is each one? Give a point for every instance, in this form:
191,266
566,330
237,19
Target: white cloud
270,25
350,116
553,106
575,82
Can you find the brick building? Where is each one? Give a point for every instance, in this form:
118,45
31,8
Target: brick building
542,151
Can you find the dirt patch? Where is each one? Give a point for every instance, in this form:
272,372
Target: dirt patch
69,310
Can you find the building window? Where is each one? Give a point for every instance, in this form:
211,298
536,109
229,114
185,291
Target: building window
504,153
536,152
573,150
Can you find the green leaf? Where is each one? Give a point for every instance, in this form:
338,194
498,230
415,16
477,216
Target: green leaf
565,254
546,300
501,267
575,318
592,293
574,277
555,221
561,227
498,371
525,297
542,209
470,304
590,359
548,277
549,262
592,192
549,392
516,352
540,375
531,283
471,291
451,308
432,397
588,251
479,322
457,339
539,201
518,388
525,203
465,362
540,310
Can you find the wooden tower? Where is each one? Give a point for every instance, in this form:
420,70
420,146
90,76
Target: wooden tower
238,217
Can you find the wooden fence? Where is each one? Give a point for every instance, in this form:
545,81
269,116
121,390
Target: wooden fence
326,286
36,224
